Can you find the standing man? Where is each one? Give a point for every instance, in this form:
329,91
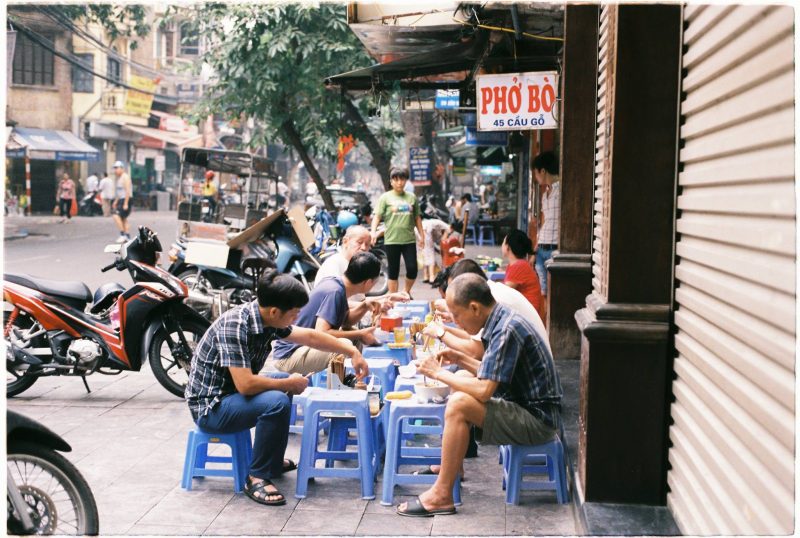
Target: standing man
225,393
545,171
122,203
513,395
328,311
91,184
106,187
65,196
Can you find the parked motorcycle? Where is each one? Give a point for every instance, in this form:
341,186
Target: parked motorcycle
58,328
45,492
91,205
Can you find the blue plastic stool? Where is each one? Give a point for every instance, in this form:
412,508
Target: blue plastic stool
486,235
400,413
409,311
197,457
407,383
299,402
401,355
383,369
470,236
353,402
547,458
339,438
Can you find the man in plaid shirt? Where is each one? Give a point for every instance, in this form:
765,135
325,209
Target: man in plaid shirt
512,395
225,393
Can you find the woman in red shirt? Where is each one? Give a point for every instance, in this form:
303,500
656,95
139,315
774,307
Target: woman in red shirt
519,274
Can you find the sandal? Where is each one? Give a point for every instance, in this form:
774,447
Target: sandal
415,509
429,471
258,492
288,466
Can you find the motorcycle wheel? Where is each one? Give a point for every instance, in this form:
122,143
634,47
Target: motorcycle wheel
193,283
170,372
17,381
58,495
381,286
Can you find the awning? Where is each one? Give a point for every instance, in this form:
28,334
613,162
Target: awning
47,145
176,139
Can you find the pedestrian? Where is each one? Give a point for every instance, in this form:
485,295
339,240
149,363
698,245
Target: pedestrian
91,185
520,275
65,196
436,230
122,203
210,195
545,172
512,395
400,211
225,393
107,189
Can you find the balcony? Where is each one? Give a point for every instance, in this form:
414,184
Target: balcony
118,107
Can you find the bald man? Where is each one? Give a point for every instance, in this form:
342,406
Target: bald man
356,239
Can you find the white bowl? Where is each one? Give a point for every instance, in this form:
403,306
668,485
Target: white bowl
435,390
407,371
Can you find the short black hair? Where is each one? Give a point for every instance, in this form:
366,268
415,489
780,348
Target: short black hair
398,172
546,161
280,290
519,243
441,279
466,196
462,267
362,267
470,287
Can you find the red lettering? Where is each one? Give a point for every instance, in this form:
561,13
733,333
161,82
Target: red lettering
533,98
486,98
548,97
500,99
514,98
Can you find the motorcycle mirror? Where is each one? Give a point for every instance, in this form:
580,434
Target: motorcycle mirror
112,248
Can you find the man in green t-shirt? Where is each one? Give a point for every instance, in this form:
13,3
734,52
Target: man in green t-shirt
400,211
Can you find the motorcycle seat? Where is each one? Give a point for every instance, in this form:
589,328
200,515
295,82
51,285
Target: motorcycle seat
70,289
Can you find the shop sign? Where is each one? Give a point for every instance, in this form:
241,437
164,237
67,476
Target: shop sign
141,157
492,170
160,163
419,165
447,99
486,138
517,101
138,103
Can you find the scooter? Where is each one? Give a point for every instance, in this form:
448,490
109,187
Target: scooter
56,328
91,205
45,492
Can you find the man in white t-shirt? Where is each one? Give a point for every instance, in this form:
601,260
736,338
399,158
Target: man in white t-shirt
356,239
107,191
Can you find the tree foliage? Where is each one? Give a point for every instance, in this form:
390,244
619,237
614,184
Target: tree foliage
118,20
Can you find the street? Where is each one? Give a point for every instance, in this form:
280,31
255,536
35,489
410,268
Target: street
129,434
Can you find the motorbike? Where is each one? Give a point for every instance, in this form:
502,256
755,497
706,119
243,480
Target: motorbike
91,205
45,492
429,209
54,328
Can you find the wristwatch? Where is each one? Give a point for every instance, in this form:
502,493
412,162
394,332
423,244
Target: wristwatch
440,333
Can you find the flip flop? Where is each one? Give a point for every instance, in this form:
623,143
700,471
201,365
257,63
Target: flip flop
429,470
259,493
289,466
415,509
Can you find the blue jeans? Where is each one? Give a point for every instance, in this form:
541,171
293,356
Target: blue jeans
269,412
542,255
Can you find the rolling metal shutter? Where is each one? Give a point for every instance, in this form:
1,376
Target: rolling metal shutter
603,146
732,454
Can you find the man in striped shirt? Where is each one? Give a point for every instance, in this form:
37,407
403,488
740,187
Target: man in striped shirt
545,171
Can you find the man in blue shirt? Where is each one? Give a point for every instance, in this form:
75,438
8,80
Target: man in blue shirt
225,393
328,311
513,395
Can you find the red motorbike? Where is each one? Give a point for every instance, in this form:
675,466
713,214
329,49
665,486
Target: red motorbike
58,328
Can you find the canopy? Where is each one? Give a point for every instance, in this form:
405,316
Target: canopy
181,140
47,145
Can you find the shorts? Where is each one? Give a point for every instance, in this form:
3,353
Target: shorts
123,213
508,423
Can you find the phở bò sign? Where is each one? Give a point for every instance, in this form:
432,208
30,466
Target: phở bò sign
517,101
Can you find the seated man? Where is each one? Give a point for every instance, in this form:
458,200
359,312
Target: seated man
225,393
356,239
513,395
328,311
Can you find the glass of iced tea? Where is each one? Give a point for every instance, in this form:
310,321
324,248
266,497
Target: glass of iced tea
399,335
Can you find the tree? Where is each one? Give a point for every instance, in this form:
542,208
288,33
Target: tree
269,63
127,20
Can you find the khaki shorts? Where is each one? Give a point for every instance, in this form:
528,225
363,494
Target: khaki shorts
507,423
305,360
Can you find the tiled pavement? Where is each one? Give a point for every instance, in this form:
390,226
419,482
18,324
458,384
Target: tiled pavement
128,438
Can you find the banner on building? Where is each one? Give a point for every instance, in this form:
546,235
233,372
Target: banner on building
419,166
517,101
447,99
138,103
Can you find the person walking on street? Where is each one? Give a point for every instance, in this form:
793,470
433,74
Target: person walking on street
106,187
400,211
66,194
545,171
122,204
225,393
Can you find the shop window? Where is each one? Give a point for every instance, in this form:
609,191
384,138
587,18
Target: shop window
33,63
190,40
82,80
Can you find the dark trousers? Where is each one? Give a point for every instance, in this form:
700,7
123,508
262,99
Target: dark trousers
409,253
269,412
65,204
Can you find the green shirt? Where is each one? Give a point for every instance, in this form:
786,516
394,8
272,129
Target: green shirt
399,212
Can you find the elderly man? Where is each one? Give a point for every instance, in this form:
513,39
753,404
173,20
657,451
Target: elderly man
513,395
356,239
